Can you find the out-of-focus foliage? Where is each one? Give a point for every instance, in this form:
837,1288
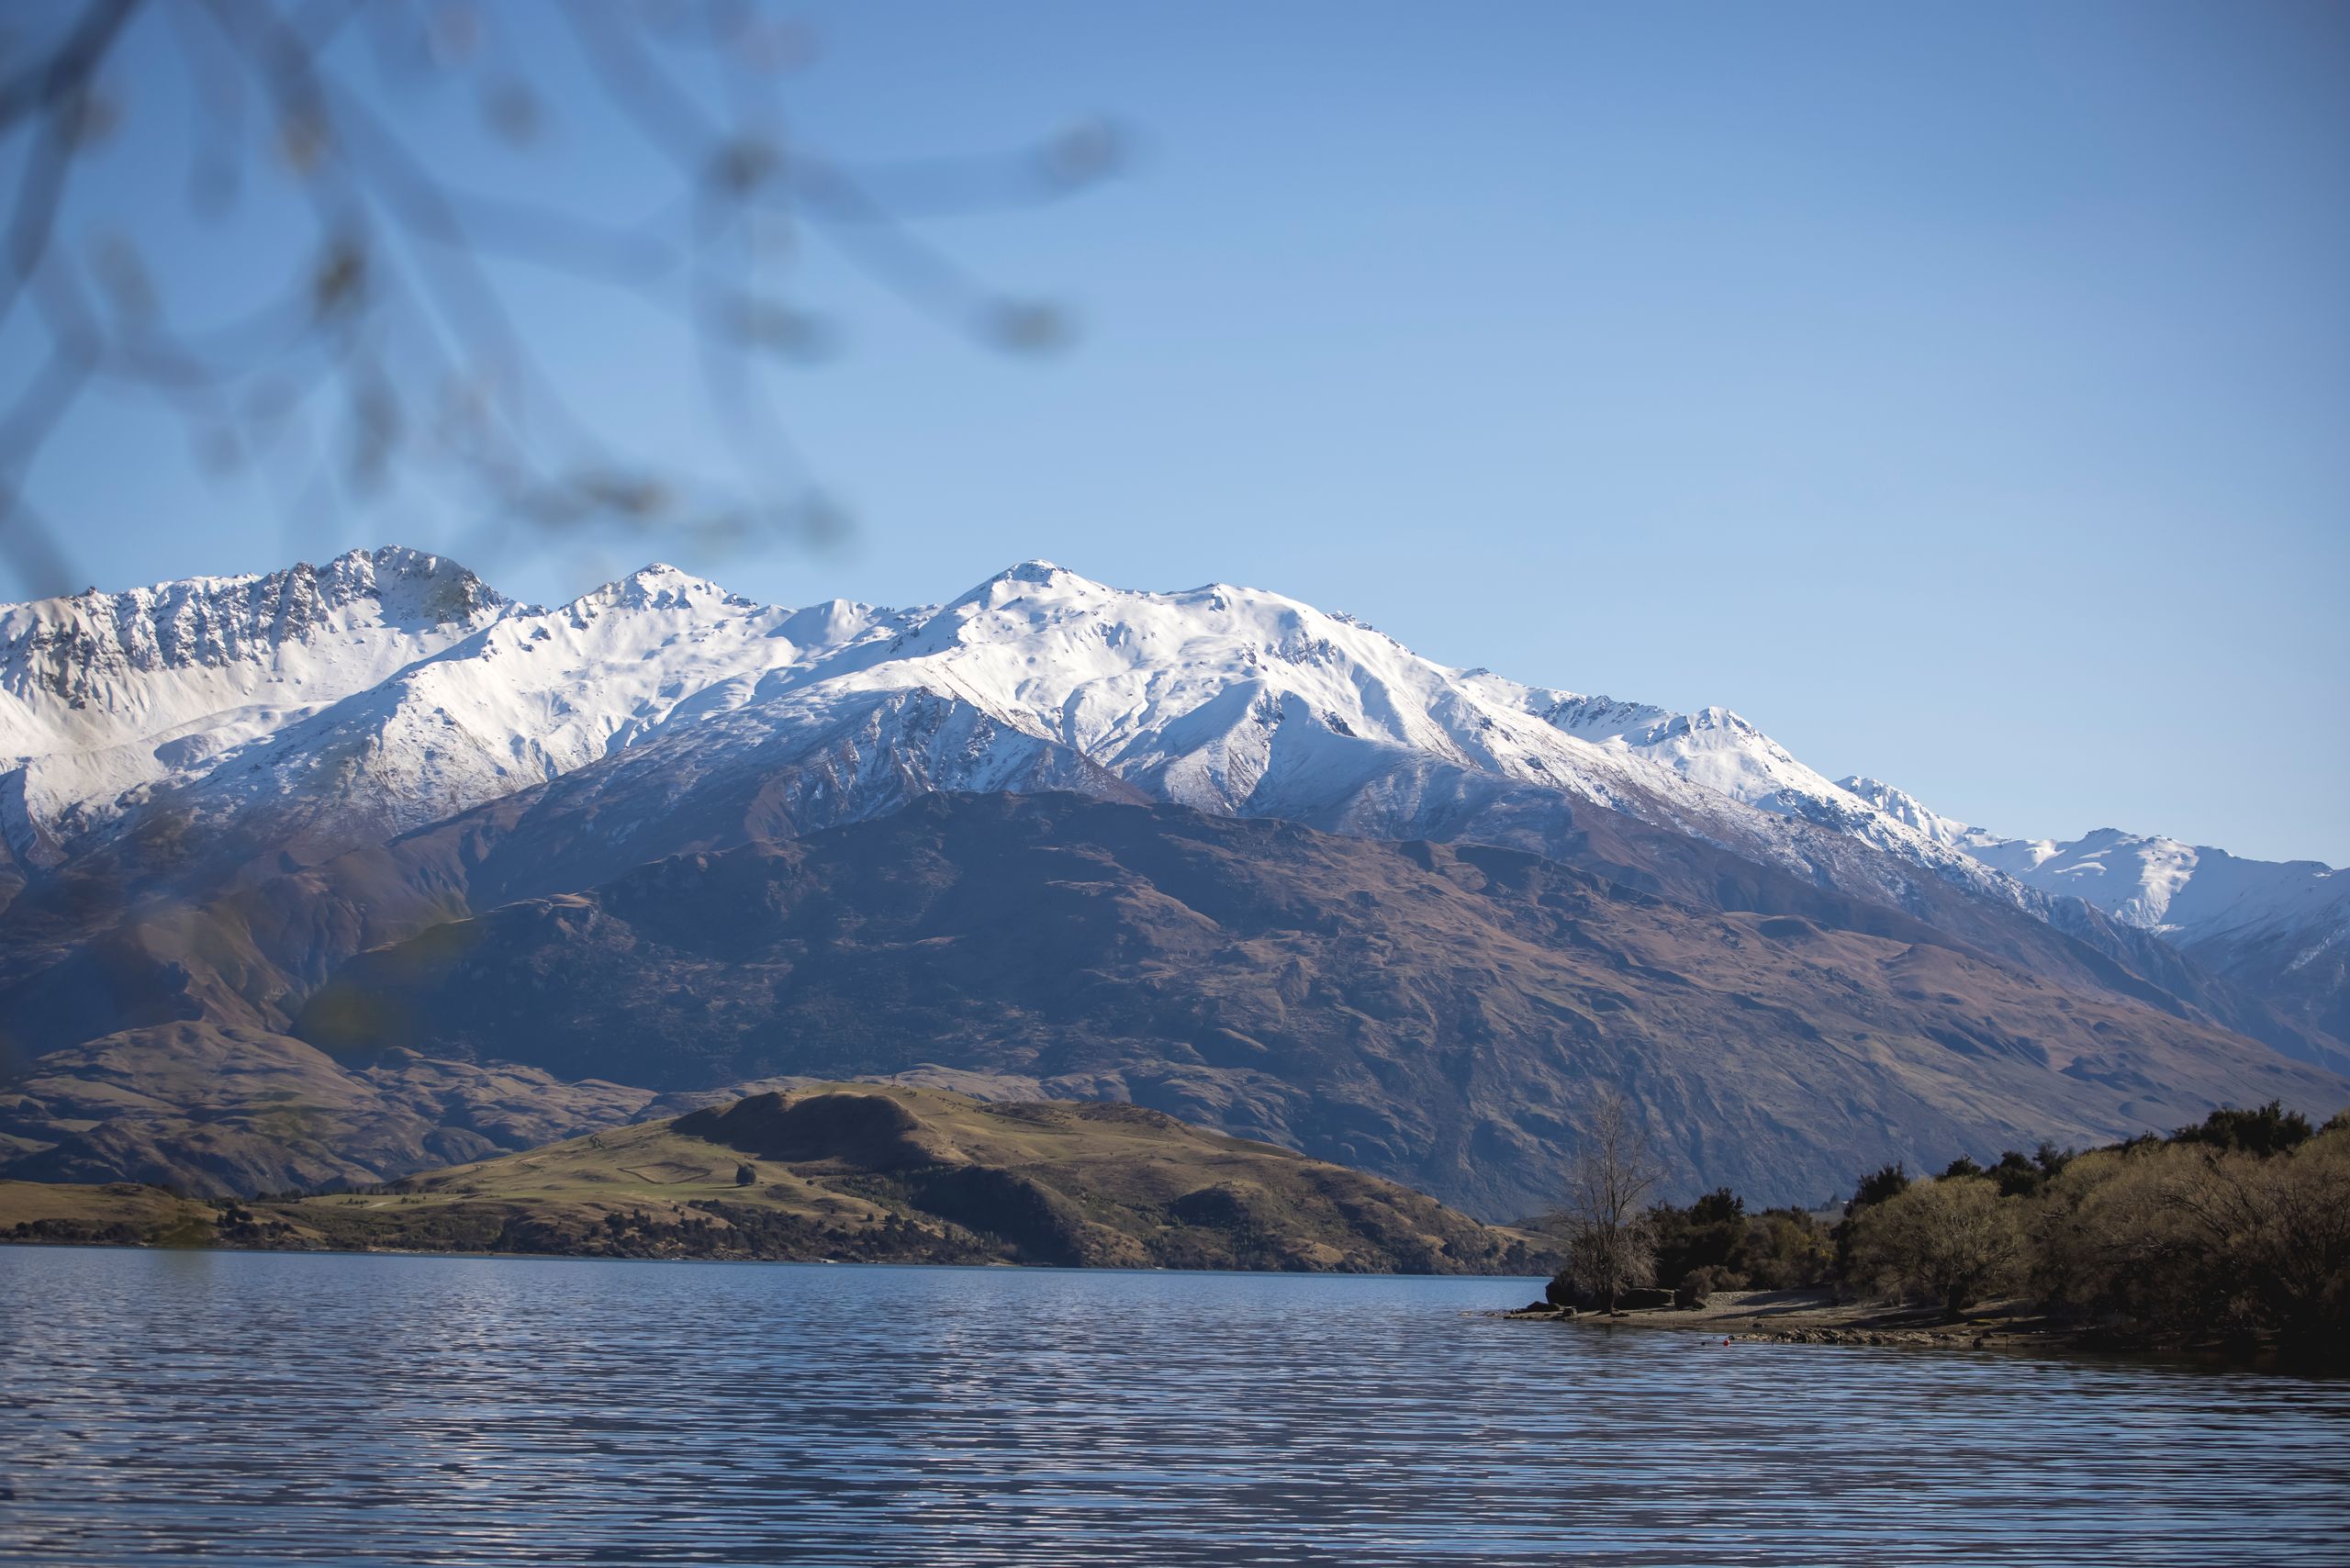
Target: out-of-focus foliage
381,349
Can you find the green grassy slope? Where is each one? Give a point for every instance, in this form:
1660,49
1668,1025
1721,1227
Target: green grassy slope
865,1171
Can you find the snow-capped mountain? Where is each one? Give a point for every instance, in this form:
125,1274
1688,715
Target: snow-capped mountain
2284,925
2158,884
226,702
294,715
224,799
103,695
2166,886
1720,752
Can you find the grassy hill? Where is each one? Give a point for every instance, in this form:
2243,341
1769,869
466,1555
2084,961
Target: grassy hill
853,1170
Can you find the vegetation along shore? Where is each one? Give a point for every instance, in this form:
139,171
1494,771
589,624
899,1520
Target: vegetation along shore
2231,1237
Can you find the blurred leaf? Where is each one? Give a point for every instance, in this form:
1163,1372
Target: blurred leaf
771,46
779,329
91,121
268,399
293,385
303,140
341,280
637,497
454,34
375,432
115,265
820,522
1030,327
745,165
217,451
1090,149
213,187
511,110
670,18
769,237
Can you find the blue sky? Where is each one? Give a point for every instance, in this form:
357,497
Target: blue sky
1960,392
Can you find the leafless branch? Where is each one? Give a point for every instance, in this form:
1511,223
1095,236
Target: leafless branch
386,357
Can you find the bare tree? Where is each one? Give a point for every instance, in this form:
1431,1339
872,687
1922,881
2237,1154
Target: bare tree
381,351
1610,1248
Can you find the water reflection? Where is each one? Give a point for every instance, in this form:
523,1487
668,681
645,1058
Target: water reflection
294,1408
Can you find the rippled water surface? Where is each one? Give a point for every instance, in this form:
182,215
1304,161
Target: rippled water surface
177,1406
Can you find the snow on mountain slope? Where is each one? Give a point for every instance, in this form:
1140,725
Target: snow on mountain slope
312,710
1904,807
1721,753
1231,701
97,669
1180,694
1241,702
532,696
2147,881
2173,888
323,708
103,693
2279,929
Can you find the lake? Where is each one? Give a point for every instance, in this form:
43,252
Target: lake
259,1408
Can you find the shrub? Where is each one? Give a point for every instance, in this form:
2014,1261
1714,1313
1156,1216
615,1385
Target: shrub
2268,1129
1694,1287
1709,1233
1786,1250
2196,1240
1878,1186
1720,1206
1951,1241
2018,1175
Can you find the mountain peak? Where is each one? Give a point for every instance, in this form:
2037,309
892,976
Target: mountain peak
660,574
409,584
660,586
412,585
1032,580
1040,572
218,657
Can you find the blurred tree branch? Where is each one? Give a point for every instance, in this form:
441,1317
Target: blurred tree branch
386,354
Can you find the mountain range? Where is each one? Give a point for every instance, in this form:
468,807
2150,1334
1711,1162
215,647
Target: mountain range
2280,930
416,872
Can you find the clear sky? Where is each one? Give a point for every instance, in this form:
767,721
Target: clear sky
1961,392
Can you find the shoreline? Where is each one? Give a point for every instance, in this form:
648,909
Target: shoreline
1816,1317
493,1256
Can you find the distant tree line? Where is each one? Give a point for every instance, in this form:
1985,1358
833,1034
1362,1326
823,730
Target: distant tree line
2234,1232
